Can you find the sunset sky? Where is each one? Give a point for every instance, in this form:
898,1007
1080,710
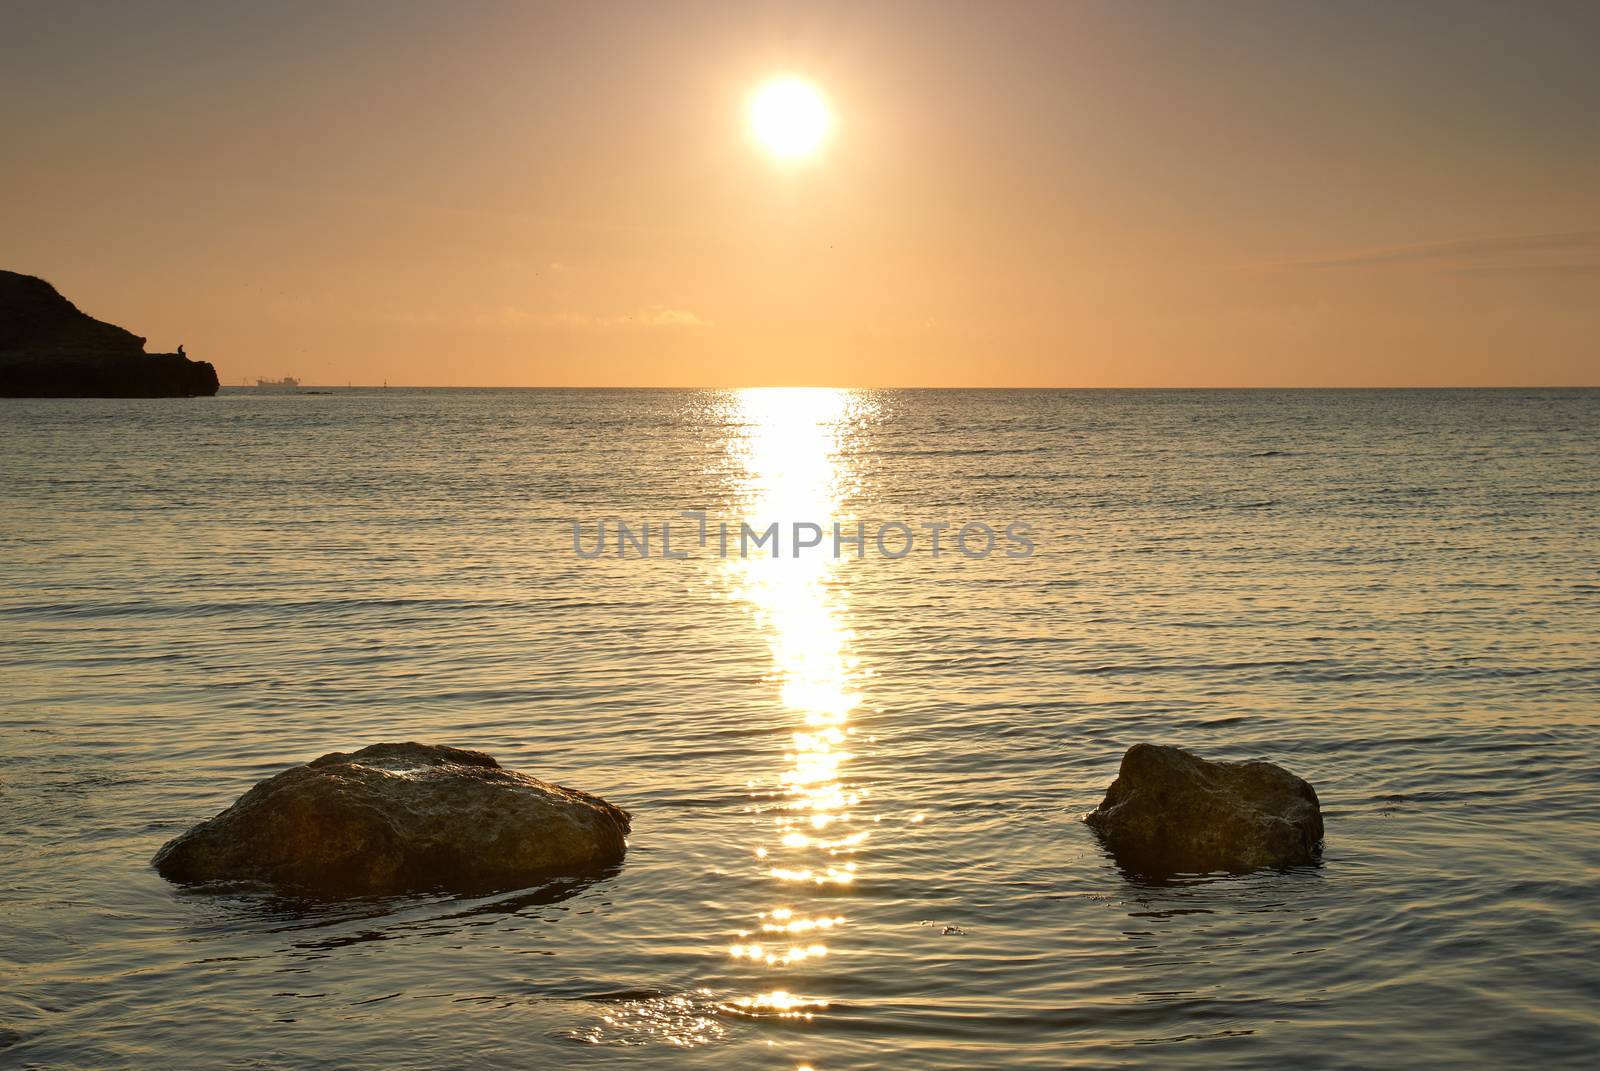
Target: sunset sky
1010,194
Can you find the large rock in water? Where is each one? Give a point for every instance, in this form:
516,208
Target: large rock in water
399,817
1169,811
49,349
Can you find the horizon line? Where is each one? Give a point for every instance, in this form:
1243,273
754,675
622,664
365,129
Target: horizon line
1044,387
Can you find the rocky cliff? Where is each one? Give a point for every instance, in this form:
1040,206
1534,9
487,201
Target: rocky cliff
49,349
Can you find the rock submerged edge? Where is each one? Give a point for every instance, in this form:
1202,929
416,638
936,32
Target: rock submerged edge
400,817
1169,811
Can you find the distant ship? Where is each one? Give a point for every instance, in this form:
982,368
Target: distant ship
286,381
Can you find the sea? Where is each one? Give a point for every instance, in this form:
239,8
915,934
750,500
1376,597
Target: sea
857,770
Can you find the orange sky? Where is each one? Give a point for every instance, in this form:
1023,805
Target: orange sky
1073,194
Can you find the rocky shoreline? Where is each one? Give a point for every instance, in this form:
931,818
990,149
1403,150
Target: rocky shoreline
50,349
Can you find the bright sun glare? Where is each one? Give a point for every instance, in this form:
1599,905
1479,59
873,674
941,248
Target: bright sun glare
789,118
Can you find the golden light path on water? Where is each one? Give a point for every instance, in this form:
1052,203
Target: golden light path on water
789,451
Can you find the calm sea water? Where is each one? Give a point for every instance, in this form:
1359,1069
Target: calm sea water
856,784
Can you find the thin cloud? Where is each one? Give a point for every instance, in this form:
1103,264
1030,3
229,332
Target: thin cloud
1461,254
1570,271
663,317
509,316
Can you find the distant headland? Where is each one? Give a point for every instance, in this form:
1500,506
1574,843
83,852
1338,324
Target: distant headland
50,349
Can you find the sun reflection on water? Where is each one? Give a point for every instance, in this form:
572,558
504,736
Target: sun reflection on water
790,453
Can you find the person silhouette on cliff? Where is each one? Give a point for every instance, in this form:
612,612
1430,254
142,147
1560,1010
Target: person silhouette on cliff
180,350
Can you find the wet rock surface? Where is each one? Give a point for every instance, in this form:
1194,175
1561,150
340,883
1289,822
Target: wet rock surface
1170,811
400,817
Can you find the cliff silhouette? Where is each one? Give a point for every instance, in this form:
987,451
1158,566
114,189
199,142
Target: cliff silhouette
50,349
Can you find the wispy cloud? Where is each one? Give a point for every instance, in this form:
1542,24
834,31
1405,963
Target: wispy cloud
1574,270
664,317
510,316
1495,255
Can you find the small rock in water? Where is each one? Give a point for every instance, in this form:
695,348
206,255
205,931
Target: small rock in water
400,817
1170,811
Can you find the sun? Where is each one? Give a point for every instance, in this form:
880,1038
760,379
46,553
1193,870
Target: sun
789,118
